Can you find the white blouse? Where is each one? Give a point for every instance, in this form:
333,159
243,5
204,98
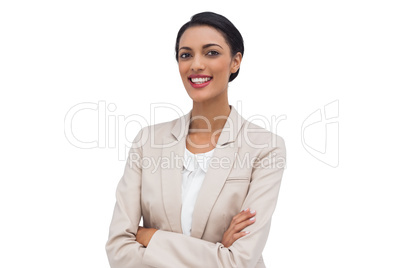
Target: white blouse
195,167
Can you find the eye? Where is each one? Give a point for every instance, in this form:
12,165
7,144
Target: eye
213,53
184,55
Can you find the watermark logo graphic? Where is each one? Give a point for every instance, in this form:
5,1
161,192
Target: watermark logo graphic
90,125
320,134
111,128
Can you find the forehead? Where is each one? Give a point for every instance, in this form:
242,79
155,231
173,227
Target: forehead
201,35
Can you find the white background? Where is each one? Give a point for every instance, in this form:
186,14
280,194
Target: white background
57,200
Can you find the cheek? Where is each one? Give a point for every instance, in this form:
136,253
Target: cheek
222,68
183,68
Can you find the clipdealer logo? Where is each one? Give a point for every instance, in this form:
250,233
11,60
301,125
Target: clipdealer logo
107,129
320,134
319,131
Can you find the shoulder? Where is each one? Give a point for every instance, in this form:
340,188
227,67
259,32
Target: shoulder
260,136
158,132
159,128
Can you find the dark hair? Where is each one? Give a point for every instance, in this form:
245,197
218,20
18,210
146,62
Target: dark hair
229,31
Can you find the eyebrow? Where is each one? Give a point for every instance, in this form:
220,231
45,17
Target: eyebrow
203,47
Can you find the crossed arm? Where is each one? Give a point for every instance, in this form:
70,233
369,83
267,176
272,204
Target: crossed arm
245,218
131,246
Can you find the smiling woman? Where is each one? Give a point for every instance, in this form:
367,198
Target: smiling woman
205,59
205,211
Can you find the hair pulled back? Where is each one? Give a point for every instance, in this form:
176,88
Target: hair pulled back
220,23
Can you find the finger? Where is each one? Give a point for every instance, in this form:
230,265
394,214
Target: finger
240,213
239,235
240,226
242,216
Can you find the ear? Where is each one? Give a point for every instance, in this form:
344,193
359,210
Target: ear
235,64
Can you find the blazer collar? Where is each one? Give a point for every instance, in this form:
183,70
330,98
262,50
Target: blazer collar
229,133
214,179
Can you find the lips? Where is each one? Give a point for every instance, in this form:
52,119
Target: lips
199,81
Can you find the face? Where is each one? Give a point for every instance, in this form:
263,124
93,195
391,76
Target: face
205,63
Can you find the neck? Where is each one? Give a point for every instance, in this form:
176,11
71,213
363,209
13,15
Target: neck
209,117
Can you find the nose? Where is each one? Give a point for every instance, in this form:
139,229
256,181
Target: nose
197,64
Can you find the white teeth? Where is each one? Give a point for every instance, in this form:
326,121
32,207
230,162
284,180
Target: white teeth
200,80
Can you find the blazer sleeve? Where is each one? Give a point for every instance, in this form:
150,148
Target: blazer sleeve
122,249
168,249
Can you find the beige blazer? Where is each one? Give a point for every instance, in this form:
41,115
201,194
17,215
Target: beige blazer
245,172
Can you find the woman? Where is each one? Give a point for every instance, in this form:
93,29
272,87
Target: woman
213,208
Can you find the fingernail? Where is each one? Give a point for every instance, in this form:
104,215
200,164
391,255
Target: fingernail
252,212
253,218
244,209
247,232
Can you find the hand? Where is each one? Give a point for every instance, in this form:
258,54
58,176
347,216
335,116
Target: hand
239,222
144,235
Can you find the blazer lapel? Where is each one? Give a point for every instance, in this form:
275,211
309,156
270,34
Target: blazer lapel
221,163
173,149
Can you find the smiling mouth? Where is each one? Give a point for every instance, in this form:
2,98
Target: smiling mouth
199,80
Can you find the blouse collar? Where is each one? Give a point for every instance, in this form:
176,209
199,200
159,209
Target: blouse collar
193,161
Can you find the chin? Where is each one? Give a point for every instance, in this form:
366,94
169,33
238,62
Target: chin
198,97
